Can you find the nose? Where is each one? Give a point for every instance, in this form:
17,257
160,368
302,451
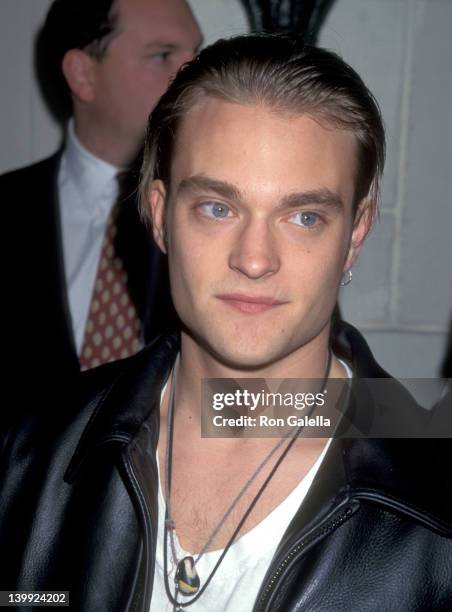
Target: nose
254,252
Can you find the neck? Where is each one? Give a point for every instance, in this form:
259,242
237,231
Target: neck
104,144
308,362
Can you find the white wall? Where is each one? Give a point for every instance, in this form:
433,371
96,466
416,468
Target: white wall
27,132
401,294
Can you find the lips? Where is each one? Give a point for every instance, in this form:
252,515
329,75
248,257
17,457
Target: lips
250,304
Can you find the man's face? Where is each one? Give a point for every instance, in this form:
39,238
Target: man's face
260,228
154,38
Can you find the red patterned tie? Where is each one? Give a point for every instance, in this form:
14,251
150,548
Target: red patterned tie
113,327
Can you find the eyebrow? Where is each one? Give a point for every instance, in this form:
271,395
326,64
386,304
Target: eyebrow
201,182
163,45
314,196
322,196
151,46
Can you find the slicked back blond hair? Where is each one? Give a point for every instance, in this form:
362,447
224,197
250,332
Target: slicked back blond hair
285,75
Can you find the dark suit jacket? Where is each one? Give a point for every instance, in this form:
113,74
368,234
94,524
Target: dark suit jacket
38,316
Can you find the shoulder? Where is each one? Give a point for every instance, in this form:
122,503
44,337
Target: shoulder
108,403
24,188
391,456
121,396
45,167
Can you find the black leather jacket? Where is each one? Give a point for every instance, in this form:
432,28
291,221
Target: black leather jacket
78,506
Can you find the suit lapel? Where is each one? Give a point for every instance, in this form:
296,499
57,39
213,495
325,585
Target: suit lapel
48,255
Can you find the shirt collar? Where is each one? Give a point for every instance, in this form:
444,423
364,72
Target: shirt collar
95,178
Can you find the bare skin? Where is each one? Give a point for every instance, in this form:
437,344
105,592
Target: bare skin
208,474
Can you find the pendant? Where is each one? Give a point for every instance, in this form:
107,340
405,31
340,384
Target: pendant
187,579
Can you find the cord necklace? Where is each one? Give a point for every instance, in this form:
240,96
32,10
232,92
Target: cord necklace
187,581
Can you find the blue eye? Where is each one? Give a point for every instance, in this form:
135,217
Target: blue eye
216,210
306,219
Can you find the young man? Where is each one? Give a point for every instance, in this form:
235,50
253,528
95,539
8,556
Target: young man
260,179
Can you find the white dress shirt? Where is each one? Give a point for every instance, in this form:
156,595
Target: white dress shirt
87,189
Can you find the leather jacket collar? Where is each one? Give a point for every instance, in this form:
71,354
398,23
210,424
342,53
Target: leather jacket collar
391,472
123,395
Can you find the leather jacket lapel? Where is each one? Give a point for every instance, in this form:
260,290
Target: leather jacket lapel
130,399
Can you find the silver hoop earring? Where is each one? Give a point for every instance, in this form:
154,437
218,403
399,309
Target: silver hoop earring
346,280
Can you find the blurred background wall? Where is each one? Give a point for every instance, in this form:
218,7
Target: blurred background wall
401,294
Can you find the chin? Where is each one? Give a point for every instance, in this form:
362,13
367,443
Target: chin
251,362
243,355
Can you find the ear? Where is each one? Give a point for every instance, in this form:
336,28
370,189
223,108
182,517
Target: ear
78,71
157,203
364,219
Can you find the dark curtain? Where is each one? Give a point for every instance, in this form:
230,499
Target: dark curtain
302,16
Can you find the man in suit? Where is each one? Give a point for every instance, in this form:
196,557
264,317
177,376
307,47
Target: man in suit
109,61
